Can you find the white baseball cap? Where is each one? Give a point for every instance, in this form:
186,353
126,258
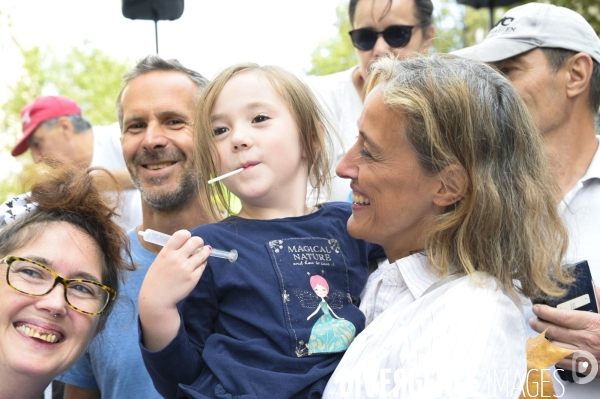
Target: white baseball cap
532,25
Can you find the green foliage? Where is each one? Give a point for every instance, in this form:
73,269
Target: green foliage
459,26
93,80
447,20
87,75
477,23
336,53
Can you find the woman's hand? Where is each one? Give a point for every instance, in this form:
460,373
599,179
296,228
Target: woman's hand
170,278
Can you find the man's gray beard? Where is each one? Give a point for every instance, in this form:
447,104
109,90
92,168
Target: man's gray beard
187,190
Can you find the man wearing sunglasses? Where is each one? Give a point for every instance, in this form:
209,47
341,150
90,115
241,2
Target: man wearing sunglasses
379,27
552,56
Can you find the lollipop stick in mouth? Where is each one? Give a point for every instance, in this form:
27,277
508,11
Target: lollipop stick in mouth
233,172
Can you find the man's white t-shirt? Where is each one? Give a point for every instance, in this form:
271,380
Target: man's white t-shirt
342,106
108,153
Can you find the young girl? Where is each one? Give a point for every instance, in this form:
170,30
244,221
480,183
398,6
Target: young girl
247,329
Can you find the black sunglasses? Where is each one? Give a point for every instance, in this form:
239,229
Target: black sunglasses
395,35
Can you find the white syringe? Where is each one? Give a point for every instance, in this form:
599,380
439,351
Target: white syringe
158,238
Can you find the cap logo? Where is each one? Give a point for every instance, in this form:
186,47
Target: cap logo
505,21
502,26
26,118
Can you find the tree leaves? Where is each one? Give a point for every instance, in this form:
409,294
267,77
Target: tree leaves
87,75
336,53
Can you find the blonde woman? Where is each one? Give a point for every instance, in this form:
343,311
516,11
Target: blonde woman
449,177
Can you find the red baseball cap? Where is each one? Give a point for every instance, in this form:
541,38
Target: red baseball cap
41,110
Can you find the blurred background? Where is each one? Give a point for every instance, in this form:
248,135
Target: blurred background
81,48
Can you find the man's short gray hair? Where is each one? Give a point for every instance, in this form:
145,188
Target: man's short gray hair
80,124
556,59
152,63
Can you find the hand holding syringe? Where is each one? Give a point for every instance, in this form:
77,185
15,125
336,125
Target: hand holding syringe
161,239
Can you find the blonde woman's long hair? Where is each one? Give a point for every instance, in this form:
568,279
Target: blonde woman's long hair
462,112
309,117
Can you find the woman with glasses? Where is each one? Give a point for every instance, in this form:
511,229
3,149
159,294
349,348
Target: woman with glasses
61,257
399,27
449,176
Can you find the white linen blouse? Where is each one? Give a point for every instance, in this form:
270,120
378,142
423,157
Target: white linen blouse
463,338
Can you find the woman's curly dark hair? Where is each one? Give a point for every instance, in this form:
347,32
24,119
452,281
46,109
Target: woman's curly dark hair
71,194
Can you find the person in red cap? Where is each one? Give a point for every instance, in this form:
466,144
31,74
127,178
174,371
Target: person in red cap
53,128
44,113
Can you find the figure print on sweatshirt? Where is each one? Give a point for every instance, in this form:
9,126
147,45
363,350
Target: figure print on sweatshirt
330,333
314,274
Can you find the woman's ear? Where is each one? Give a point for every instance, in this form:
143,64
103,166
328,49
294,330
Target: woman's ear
455,183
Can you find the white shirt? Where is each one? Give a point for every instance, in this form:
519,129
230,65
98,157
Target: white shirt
342,106
580,210
108,153
465,338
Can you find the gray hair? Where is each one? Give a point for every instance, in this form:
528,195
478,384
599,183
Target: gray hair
80,124
153,63
556,59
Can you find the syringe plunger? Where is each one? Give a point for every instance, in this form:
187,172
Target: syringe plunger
158,238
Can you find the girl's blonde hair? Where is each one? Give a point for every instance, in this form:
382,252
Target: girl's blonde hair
462,112
304,108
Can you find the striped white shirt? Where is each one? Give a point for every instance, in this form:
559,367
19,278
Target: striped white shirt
465,338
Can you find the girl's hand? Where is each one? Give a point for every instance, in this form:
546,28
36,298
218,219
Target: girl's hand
170,278
176,271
